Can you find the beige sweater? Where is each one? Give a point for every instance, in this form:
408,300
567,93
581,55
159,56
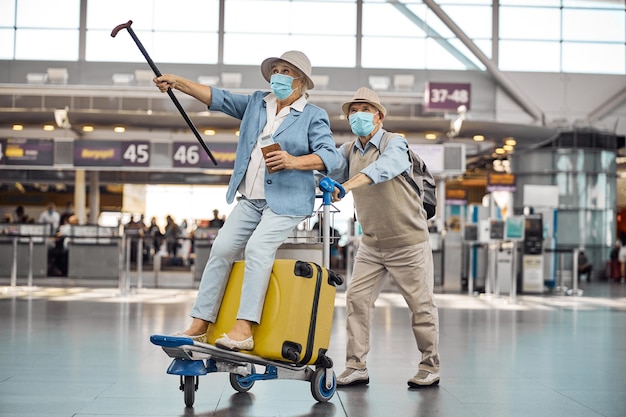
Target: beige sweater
390,213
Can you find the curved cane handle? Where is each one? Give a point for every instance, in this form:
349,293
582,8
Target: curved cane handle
120,27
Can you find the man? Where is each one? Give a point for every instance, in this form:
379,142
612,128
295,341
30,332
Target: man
51,217
584,267
395,239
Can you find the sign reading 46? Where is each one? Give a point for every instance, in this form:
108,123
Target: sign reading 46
188,155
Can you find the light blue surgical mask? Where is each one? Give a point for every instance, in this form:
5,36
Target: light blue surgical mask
362,123
281,85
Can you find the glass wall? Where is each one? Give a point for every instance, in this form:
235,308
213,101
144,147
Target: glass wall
587,194
584,36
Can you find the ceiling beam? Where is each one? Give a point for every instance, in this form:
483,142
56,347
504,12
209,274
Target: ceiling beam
529,107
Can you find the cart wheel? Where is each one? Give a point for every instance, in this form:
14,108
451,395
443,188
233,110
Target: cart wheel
189,385
238,385
318,385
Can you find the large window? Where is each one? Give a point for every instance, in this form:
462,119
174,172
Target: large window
184,31
324,30
50,33
567,36
409,35
586,36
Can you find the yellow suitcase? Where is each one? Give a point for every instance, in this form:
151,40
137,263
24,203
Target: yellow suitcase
297,315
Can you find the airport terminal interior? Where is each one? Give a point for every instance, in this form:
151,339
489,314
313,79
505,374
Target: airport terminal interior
517,107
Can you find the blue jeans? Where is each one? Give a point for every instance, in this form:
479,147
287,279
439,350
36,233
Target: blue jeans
255,229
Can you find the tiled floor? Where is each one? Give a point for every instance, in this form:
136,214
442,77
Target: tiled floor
85,351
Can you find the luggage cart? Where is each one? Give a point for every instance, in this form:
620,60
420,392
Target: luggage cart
193,359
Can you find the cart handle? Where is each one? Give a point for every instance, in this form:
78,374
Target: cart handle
328,185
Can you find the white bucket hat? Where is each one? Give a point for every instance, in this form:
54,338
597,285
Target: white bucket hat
364,95
295,58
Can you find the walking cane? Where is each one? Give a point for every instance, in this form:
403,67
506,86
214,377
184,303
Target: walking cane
169,90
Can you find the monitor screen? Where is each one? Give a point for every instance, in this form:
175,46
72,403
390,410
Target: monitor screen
533,228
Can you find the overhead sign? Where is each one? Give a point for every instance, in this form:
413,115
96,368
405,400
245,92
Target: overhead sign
136,153
191,155
97,153
109,153
20,151
497,181
456,196
432,155
446,96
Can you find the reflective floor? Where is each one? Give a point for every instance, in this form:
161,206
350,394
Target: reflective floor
85,351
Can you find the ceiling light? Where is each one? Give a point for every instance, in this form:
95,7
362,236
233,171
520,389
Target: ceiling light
500,151
18,127
510,141
478,138
508,148
430,136
88,128
119,129
48,127
210,132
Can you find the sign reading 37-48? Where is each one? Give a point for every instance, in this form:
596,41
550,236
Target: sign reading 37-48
446,96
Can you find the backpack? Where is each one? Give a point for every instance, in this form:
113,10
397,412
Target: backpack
420,178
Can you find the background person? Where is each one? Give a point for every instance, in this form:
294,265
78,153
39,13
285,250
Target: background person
621,255
60,253
271,205
21,216
584,267
217,221
395,240
50,217
171,235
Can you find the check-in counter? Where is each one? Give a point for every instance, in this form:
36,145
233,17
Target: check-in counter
203,240
304,245
23,235
94,252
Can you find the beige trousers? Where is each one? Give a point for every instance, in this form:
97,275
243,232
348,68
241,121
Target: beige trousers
411,267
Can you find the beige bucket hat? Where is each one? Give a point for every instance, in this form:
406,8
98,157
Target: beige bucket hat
364,95
295,58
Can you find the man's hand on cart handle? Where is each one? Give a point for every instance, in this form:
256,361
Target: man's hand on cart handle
331,190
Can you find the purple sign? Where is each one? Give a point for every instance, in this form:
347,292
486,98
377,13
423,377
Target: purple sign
136,154
97,153
20,151
446,96
192,155
224,154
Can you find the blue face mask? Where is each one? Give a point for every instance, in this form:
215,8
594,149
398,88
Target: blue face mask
362,123
281,85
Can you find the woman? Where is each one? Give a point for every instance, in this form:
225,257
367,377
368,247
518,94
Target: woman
271,204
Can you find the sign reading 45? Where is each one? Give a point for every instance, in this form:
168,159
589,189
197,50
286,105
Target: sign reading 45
136,153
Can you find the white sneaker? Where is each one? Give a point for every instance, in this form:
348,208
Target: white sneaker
353,376
424,379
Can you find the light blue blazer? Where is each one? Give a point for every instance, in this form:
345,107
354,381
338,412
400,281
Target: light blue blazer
288,192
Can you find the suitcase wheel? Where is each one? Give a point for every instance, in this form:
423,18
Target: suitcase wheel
334,278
